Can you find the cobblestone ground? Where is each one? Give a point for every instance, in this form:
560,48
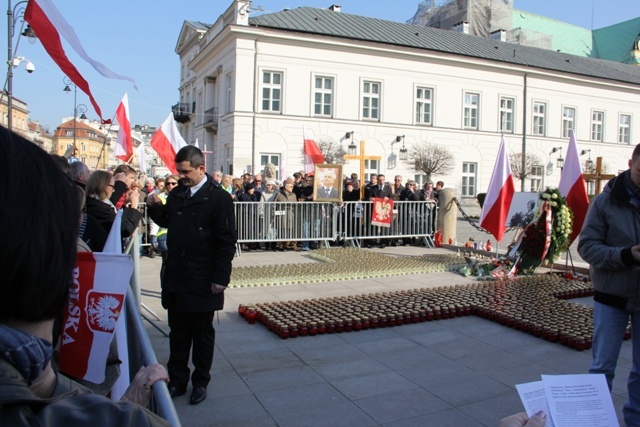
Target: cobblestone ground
465,230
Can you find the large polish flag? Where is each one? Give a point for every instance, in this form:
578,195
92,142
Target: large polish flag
93,314
498,199
167,141
124,143
312,153
49,24
573,188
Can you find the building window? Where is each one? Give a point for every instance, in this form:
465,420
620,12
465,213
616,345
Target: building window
568,120
271,158
271,91
535,178
68,133
371,100
506,115
597,123
469,179
227,96
371,167
424,106
539,118
624,129
323,96
471,102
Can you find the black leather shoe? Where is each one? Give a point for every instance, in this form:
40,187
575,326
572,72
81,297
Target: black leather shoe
175,391
198,395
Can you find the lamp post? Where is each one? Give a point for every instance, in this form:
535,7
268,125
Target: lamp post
560,159
13,14
76,107
588,164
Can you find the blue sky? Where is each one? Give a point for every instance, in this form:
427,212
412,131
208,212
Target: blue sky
137,38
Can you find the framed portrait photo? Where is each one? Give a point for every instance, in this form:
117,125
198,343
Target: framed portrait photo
327,183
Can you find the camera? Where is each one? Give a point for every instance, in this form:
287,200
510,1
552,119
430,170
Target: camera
30,67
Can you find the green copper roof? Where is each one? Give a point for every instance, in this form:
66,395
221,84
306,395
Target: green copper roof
615,42
566,38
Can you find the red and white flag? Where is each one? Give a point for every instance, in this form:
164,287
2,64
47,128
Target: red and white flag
49,24
498,199
573,187
312,154
124,143
167,141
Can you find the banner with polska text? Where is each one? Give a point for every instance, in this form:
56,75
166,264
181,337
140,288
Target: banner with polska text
96,300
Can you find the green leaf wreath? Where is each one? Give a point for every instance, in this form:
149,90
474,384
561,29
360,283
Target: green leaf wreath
533,241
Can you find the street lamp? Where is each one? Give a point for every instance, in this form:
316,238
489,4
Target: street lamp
588,164
560,159
13,15
403,150
353,148
76,107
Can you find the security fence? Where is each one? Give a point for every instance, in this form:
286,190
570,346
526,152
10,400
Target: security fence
323,222
140,352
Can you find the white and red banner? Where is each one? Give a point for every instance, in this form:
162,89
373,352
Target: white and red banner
96,301
573,187
49,24
124,143
167,141
499,196
312,153
381,212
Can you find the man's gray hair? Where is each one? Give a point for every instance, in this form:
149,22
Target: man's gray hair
76,168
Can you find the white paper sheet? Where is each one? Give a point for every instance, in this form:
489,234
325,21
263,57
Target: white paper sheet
570,400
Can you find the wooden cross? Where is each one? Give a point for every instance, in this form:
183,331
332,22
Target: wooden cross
362,157
598,176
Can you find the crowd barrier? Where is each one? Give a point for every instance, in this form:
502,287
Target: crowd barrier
140,351
324,222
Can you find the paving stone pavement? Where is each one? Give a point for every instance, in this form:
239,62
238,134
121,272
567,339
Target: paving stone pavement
452,372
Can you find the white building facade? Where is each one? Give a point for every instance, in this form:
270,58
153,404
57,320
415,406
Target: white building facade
250,85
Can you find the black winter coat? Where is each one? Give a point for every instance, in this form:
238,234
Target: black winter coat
202,243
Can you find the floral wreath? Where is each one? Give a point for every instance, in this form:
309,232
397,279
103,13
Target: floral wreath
547,236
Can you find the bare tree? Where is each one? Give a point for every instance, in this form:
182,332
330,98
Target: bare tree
332,151
430,158
517,169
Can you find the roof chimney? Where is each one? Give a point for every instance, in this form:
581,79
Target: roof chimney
335,8
500,35
461,27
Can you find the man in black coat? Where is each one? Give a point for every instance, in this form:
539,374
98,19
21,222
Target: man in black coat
201,240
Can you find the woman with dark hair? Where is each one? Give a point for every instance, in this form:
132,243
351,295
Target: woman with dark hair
34,293
99,189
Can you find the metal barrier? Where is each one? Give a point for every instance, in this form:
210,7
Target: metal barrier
140,350
285,222
415,220
349,222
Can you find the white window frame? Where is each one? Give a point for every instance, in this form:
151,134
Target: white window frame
371,100
469,173
539,121
326,96
597,125
423,102
228,81
270,158
624,129
371,167
271,94
568,120
507,114
471,110
536,178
